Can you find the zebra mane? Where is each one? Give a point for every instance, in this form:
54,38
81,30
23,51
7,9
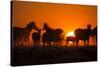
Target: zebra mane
47,27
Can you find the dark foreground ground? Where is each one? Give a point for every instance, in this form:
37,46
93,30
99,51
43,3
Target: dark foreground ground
51,55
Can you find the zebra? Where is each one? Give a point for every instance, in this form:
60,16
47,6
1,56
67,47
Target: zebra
52,35
21,35
83,34
36,37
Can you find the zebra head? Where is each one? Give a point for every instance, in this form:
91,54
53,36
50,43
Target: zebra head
46,27
32,25
89,27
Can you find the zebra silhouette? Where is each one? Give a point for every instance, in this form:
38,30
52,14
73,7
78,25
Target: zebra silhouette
83,34
21,35
51,35
36,37
94,32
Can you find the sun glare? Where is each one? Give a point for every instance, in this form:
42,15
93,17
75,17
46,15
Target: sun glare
70,42
70,34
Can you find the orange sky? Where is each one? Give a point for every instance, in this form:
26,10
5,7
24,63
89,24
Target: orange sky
65,16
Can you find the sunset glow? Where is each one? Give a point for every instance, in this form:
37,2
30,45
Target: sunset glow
67,17
70,34
70,42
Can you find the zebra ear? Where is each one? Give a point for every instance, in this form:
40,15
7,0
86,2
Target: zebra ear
31,25
89,26
44,26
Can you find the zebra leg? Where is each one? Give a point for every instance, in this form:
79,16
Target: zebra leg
49,43
34,44
43,44
23,41
85,43
77,43
73,42
27,41
15,42
38,43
